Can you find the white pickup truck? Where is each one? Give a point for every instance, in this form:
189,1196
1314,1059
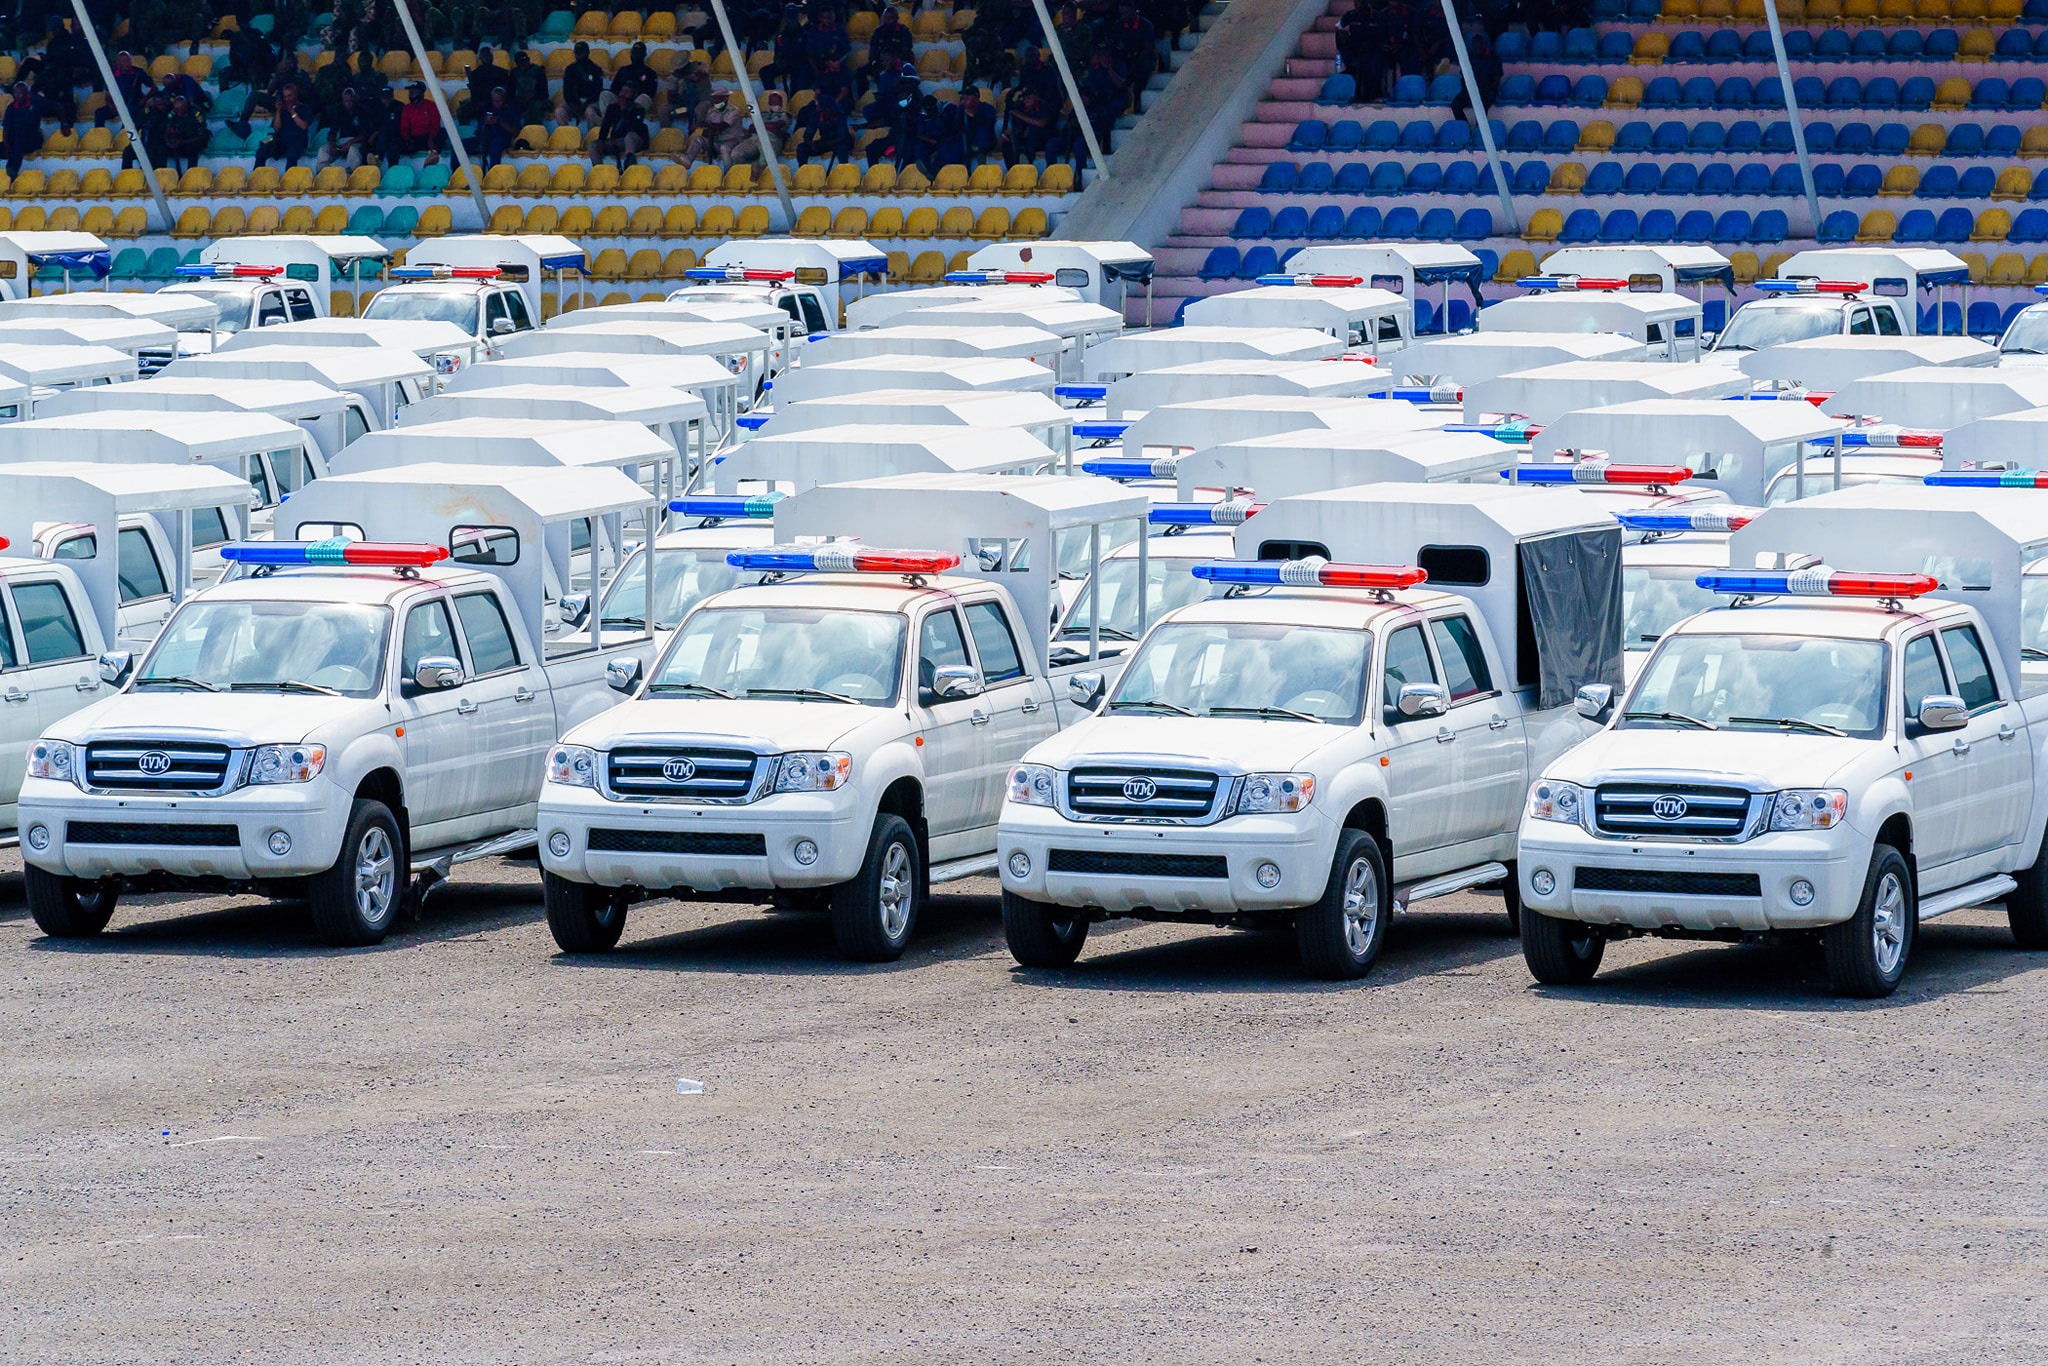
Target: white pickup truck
1329,741
835,736
343,712
1841,752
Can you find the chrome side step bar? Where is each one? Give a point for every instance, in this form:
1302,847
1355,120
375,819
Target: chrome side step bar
439,861
1449,883
1975,894
982,866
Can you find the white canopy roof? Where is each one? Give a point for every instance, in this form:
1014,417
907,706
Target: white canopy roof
608,369
922,407
881,310
640,337
118,436
506,441
128,334
1060,317
1477,356
422,338
284,249
292,399
1287,463
338,367
1581,311
42,363
833,455
1546,392
1826,364
650,405
1156,350
172,310
2016,441
1941,397
823,379
1741,445
756,313
931,339
1211,422
1331,309
1221,378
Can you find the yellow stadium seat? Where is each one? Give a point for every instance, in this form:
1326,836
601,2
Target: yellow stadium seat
228,221
706,179
96,142
569,179
843,179
27,185
625,24
1900,181
1680,11
956,222
1650,49
532,141
1952,93
60,144
739,179
1931,11
160,67
2013,183
1859,11
263,180
922,223
1992,226
611,221
566,141
62,184
1596,136
541,218
330,221
1517,264
435,221
228,182
64,218
2008,271
660,26
928,269
330,180
2005,11
610,264
1029,225
809,179
717,221
679,221
603,178
1927,140
860,25
1978,46
671,180
1058,179
677,261
591,24
1544,225
1878,226
1745,266
531,180
193,222
341,303
2034,141
129,184
886,222
880,179
899,267
958,261
814,221
753,222
986,178
1624,92
637,179
1976,264
1567,178
931,26
644,264
951,180
2037,270
362,180
506,220
31,218
194,182
992,226
296,180
849,222
263,220
645,222
297,220
132,221
1895,11
1749,11
99,221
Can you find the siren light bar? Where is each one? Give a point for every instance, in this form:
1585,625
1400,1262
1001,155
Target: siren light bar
759,275
1885,435
1514,433
754,422
845,557
1434,393
1988,479
446,272
1597,472
1544,283
1700,519
335,550
1204,514
1314,281
1131,467
727,505
227,272
1806,284
1313,572
1100,431
999,277
1819,582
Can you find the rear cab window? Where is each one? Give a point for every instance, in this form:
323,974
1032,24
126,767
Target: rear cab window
1975,683
1466,675
995,643
491,647
49,625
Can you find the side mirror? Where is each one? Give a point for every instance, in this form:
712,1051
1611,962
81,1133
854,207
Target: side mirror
574,607
622,675
1422,699
115,666
272,320
1085,689
1942,711
952,682
1594,699
437,672
502,327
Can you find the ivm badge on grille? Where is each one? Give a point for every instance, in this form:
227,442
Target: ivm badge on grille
678,770
1669,808
1140,789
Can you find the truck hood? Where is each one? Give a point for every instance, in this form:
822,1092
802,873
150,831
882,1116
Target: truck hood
1761,760
237,719
767,727
1212,741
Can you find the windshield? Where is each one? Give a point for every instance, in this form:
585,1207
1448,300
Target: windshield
1785,488
1756,326
1073,543
1656,598
682,579
425,306
1168,585
1247,668
806,653
1763,682
2034,614
228,646
2028,334
233,306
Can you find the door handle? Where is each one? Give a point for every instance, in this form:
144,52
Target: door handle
2006,732
1497,723
1444,735
14,695
87,684
1030,706
1961,746
980,718
522,694
464,707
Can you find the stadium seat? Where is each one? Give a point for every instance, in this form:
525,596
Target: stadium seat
1582,227
1717,178
1752,179
1338,89
1533,177
1770,228
1461,177
1838,228
1977,182
1418,136
1309,136
1680,178
1992,225
1642,178
1252,223
1669,137
1546,225
1964,140
1326,223
1604,179
1315,178
1785,181
1706,137
1402,223
1388,178
1260,260
1568,178
1658,226
2001,140
1291,222
1384,133
1524,136
1362,223
1345,135
1697,226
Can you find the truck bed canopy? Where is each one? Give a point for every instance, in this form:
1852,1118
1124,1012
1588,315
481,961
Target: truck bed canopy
1134,394
430,341
1894,271
132,335
897,305
311,405
2013,441
44,365
1289,463
182,312
338,367
1398,268
73,253
756,313
1545,393
1210,422
925,339
846,259
1545,574
656,408
826,379
1739,446
1004,527
1664,267
1941,397
504,440
1829,364
128,436
1577,312
928,407
1478,356
1338,311
1138,351
322,259
834,455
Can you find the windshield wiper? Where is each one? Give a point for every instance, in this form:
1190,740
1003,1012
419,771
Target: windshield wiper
285,685
1108,633
690,687
1788,723
2033,652
1676,717
625,621
1152,702
803,692
179,681
1288,712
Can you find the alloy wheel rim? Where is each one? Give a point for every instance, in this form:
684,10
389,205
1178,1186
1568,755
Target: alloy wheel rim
1888,924
1361,906
376,875
896,891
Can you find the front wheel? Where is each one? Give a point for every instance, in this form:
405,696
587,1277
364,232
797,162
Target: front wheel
2026,908
1511,898
583,918
873,915
1867,952
1340,935
355,902
1040,936
1560,953
68,907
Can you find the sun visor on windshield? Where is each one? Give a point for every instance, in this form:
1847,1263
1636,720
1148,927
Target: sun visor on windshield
1571,612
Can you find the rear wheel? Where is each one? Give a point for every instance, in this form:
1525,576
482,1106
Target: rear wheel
1340,935
873,915
1867,952
355,902
583,918
2027,907
1511,898
1560,953
1041,936
68,907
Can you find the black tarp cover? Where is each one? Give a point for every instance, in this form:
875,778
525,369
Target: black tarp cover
1571,590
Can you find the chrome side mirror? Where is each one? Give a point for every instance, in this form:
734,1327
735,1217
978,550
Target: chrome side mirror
952,682
622,675
1085,689
1422,699
1594,699
436,673
502,327
574,608
1943,711
115,666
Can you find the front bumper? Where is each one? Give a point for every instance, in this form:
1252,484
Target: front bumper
707,847
1121,859
1672,873
313,816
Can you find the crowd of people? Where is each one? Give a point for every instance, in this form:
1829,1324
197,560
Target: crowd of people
1380,41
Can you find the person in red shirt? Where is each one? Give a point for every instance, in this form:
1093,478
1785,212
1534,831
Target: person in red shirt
419,126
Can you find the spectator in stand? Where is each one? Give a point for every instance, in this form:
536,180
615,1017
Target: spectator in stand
496,126
529,88
930,128
889,47
291,129
153,115
1027,134
1361,47
1486,74
824,130
134,84
622,134
582,84
719,131
1038,75
419,126
1105,94
250,57
635,72
689,96
21,128
67,65
775,114
485,77
792,68
185,136
828,47
382,112
1076,37
178,86
977,128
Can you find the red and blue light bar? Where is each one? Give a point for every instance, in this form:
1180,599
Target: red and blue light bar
999,277
846,557
335,550
1313,281
727,505
1597,472
1988,479
446,272
1514,433
1550,282
227,272
1309,573
1204,514
1887,436
1806,284
739,274
1435,393
1818,582
1699,519
1132,467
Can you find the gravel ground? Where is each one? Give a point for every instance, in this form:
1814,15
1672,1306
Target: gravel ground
219,1141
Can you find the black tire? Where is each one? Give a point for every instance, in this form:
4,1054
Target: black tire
1511,897
1867,953
2026,908
356,902
874,915
583,918
1560,953
1340,935
68,907
1039,936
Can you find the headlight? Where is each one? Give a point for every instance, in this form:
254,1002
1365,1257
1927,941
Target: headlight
813,771
1550,800
1032,785
572,766
1809,808
287,763
51,759
1264,792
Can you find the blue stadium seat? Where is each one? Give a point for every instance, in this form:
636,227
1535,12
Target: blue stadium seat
1362,222
1345,136
1809,91
1669,137
1615,47
1561,136
1604,178
1964,140
1580,44
1353,177
1512,46
1843,92
1828,179
2002,140
1929,321
1326,223
1633,136
1734,93
1460,315
1864,180
1290,223
2030,225
1474,225
1381,136
1903,45
1992,92
1644,11
2040,51
1686,49
1661,93
1260,260
1220,264
1770,91
1401,223
1553,89
1984,319
1916,94
1717,178
1517,89
1461,177
1977,183
1416,136
1771,228
1309,136
1425,177
1697,93
1316,178
1487,184
1582,226
1438,225
1838,228
1820,138
1408,91
2039,190
2036,12
1941,45
1880,92
1732,226
2014,45
1855,139
1778,137
1831,46
1445,88
1916,227
1706,137
1714,315
1753,178
1953,228
1724,45
1531,177
2028,92
1454,136
1867,45
1745,135
1951,319
1389,178
1642,178
1252,223
1785,181
1425,317
1338,89
1799,45
1680,178
1279,178
1696,226
1546,46
1589,92
2011,311
1936,182
1525,136
1658,226
1757,46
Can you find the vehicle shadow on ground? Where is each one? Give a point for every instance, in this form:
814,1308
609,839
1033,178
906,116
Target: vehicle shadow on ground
1949,957
1419,944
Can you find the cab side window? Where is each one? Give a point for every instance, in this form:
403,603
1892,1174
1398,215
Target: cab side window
8,659
48,624
1860,324
1407,661
1966,656
814,316
209,528
1924,676
940,645
300,302
428,632
1887,321
270,309
353,424
140,574
515,309
490,638
1465,671
995,642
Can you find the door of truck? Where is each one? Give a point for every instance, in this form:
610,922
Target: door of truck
145,581
1947,768
955,738
1421,797
1018,701
2000,766
1489,752
57,669
441,753
515,719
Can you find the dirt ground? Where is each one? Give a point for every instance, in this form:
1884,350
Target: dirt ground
221,1142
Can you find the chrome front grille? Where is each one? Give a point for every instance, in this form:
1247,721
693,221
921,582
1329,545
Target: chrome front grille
692,773
1671,811
157,766
1143,792
151,359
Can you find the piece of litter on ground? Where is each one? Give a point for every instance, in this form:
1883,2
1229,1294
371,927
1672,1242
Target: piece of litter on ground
224,1138
686,1087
